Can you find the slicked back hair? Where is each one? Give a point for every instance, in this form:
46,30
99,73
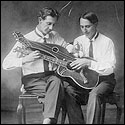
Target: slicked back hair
89,16
43,13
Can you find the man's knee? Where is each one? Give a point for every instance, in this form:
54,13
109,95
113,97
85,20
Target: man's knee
54,80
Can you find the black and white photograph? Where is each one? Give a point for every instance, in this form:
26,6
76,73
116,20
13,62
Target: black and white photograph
62,62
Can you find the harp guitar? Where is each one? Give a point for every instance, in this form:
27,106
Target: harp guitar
84,77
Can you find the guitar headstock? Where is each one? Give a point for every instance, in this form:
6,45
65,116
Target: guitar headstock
19,37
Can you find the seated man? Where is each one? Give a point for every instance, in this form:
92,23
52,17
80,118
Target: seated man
35,78
101,58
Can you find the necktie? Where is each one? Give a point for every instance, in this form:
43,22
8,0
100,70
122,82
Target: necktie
46,63
91,49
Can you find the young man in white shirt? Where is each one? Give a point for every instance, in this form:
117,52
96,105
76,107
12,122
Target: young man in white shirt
34,80
103,63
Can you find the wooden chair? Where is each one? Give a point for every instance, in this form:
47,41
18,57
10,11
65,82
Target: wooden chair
25,101
113,99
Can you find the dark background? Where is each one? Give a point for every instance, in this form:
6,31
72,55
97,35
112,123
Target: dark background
21,16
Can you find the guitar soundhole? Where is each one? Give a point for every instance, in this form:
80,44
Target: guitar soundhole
55,49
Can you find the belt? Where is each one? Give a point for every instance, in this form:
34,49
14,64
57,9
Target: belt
111,75
36,75
107,77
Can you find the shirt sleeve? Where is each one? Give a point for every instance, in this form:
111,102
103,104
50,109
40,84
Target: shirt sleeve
14,58
107,61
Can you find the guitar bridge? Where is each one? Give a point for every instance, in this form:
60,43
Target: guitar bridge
84,78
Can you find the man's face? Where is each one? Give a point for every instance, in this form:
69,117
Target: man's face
46,25
87,28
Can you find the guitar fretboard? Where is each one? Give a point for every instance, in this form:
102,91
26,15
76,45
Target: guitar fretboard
54,60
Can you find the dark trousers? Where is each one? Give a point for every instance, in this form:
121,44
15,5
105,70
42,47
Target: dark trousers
77,96
48,86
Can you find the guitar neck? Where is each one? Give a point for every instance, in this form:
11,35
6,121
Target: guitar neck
54,60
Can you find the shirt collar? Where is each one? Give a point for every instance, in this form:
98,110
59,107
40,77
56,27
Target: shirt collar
95,36
41,34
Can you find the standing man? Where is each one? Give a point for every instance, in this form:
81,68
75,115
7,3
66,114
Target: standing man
34,80
101,48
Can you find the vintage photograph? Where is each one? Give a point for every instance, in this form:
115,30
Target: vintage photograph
62,62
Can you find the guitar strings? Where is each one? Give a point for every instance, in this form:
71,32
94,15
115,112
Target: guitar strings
59,53
47,47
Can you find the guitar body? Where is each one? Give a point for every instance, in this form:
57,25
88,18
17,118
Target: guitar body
84,77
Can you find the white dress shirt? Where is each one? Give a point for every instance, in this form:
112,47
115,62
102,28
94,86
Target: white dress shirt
14,59
103,52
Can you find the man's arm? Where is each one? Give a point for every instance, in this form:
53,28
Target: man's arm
12,60
104,65
107,62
